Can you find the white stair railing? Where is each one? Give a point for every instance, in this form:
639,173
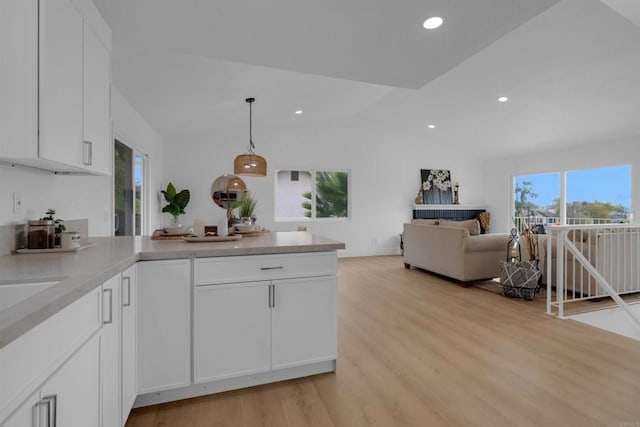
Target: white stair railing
594,261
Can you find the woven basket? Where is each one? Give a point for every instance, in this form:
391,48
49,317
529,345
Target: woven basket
520,279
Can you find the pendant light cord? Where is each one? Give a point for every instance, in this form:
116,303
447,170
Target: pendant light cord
251,144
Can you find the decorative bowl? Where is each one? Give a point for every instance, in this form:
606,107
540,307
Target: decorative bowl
245,228
173,229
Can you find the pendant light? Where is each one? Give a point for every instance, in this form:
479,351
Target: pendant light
250,164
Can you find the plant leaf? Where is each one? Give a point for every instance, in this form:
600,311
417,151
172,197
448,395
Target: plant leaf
171,190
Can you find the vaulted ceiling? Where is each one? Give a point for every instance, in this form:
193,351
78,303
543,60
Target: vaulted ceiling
569,68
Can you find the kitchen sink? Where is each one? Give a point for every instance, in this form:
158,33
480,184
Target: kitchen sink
12,294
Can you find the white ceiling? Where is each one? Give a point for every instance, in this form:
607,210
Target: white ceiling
570,69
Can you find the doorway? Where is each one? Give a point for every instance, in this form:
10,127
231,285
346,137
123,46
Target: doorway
129,190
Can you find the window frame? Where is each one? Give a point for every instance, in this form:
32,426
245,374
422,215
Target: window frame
313,218
562,214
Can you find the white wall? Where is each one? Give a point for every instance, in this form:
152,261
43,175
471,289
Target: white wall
385,175
499,173
81,196
132,129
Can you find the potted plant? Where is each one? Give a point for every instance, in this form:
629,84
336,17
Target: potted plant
246,208
58,223
176,202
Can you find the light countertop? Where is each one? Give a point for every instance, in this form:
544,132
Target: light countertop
82,271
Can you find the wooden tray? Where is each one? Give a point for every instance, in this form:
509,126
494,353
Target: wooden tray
248,234
53,250
162,235
198,239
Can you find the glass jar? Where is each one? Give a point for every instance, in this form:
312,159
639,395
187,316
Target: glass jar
41,234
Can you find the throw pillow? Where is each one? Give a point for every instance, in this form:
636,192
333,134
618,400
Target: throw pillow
484,218
471,224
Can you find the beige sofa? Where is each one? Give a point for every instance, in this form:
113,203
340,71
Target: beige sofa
450,249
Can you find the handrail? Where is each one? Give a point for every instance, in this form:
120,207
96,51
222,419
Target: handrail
562,241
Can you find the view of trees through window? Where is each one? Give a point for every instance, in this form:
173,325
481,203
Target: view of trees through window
593,196
312,194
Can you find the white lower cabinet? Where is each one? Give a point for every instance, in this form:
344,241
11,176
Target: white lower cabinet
163,325
248,327
74,390
110,352
303,319
232,330
70,397
25,415
128,341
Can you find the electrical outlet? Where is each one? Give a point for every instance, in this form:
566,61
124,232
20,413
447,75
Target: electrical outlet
17,202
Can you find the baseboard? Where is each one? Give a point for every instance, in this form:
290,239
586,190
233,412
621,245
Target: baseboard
234,383
368,252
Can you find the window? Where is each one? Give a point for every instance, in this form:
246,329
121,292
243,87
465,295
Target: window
593,196
537,197
598,196
303,195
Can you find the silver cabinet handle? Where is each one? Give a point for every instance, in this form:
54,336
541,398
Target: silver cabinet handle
110,291
49,404
87,153
272,268
269,304
128,303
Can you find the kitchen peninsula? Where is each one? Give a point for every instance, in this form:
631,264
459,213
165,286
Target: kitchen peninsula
187,319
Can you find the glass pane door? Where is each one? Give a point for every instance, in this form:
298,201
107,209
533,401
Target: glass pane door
123,188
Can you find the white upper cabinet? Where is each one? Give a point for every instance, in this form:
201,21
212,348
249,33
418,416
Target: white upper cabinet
61,29
97,104
57,81
19,78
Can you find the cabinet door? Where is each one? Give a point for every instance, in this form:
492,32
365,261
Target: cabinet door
25,415
76,388
61,46
231,330
110,352
163,325
19,78
128,321
97,109
304,321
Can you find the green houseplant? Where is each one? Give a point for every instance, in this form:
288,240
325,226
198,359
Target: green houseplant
246,205
58,223
176,202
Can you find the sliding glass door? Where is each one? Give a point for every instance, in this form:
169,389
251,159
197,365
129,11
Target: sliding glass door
129,191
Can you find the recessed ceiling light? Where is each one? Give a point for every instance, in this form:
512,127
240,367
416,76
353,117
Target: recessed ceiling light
503,99
299,111
431,126
433,23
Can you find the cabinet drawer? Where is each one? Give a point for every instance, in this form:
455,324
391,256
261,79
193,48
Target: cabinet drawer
26,362
263,267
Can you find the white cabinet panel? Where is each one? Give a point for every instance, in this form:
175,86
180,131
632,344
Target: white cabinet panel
97,108
163,325
128,321
110,352
232,330
304,321
25,415
76,388
19,78
29,360
263,267
61,63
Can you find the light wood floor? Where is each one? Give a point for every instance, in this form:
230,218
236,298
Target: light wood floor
417,350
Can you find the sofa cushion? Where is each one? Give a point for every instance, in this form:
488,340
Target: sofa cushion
471,224
425,221
488,242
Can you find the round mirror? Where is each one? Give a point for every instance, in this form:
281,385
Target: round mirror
226,190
